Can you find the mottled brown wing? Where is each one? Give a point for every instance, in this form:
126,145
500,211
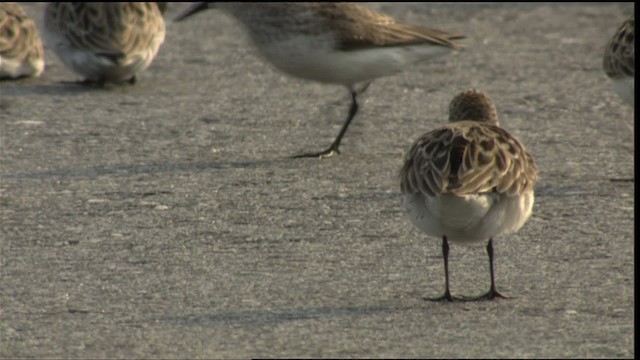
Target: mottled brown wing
112,29
12,9
467,158
364,28
620,55
18,33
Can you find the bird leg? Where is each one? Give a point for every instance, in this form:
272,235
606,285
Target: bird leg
493,293
333,149
445,254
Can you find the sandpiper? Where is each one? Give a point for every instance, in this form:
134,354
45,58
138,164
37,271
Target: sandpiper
468,181
336,43
21,53
104,42
619,61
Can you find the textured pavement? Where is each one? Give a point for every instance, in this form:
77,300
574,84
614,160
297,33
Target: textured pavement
165,219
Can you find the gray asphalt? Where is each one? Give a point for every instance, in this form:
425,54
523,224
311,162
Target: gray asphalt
165,219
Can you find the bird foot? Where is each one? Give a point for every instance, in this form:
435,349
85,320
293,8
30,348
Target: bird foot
445,297
320,155
491,295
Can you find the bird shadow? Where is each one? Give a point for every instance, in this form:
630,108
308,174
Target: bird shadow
26,87
141,169
268,317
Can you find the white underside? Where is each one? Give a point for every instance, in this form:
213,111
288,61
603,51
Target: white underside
625,87
14,68
468,219
320,63
101,68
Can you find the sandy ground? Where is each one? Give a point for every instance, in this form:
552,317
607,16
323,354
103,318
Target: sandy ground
165,219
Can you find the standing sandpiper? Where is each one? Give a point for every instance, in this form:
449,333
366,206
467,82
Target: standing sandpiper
619,61
105,41
335,43
468,181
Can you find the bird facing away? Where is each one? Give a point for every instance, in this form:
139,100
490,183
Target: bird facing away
105,42
21,53
468,181
619,61
335,43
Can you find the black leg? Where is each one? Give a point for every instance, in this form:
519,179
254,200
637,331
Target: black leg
333,149
445,254
132,80
493,293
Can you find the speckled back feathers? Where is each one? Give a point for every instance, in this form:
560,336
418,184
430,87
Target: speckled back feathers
619,57
105,41
21,52
106,27
469,155
352,26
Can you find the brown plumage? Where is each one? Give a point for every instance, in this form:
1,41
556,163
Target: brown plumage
470,155
359,28
21,52
109,41
468,181
619,58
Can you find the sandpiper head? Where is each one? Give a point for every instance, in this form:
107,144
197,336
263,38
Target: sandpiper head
473,105
203,5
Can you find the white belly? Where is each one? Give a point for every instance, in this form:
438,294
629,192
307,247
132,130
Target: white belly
318,61
471,218
14,68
